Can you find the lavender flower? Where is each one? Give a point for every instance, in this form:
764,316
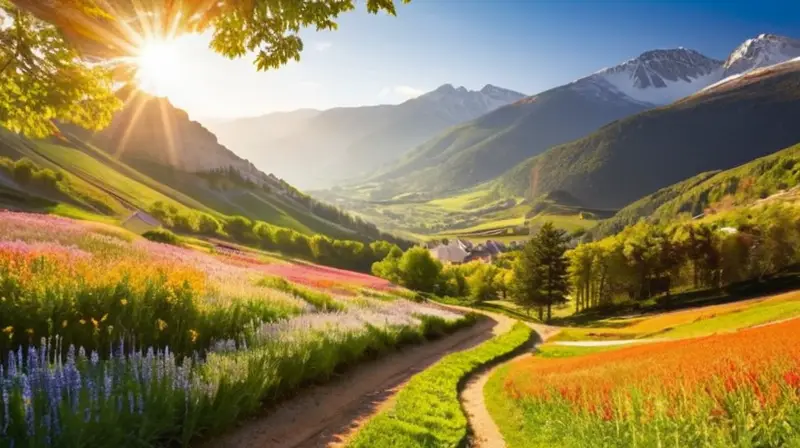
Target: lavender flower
6,416
27,399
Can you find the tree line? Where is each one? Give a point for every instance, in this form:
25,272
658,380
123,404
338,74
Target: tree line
647,260
642,262
225,178
345,254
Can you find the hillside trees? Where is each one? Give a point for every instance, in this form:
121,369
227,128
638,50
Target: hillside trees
644,260
47,46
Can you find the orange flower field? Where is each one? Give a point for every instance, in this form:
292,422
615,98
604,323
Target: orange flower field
737,389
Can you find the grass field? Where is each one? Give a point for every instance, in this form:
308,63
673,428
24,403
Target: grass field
515,311
461,202
98,173
691,322
427,413
739,389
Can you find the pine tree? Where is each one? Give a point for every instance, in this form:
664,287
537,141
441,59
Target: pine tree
541,272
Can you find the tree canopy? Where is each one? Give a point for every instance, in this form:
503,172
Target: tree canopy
57,57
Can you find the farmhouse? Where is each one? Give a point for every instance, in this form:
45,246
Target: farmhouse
140,222
458,251
455,252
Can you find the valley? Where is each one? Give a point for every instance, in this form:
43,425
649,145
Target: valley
207,242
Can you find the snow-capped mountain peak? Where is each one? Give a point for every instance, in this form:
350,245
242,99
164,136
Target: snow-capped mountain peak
761,51
462,102
659,76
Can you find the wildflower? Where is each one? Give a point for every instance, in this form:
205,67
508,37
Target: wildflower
82,321
8,330
123,302
792,379
103,319
29,331
64,324
161,325
95,323
193,334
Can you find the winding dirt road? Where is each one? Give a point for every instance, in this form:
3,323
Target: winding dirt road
483,430
327,415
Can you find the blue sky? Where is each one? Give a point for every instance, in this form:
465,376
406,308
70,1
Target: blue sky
526,45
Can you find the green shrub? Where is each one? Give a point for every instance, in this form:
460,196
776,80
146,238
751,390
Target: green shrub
162,236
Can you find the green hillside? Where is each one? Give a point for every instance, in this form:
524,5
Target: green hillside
628,159
99,184
713,192
482,149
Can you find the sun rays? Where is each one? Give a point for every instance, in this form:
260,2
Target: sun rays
149,64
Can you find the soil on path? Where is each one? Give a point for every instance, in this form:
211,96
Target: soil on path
484,431
327,415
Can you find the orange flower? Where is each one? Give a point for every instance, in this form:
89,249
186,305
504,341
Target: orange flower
744,362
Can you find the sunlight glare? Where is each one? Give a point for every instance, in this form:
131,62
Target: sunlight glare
158,67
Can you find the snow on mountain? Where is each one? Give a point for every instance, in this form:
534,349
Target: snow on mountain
488,98
656,77
660,77
762,51
462,104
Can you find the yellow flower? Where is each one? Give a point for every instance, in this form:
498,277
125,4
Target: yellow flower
194,335
82,321
29,331
105,316
8,330
161,325
123,302
64,324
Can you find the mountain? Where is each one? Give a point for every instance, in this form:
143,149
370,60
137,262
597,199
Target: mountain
151,129
336,144
731,123
759,52
772,176
489,145
260,131
153,156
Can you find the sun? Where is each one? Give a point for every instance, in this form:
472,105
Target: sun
158,67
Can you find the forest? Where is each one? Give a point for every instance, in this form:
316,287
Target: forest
645,261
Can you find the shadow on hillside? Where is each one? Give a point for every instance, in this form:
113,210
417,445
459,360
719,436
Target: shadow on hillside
686,300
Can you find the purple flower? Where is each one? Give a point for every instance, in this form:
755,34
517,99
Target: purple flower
27,399
108,382
6,417
12,365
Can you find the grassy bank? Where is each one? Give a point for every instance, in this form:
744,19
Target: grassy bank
690,322
427,411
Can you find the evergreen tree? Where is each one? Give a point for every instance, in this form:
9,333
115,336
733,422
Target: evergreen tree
541,272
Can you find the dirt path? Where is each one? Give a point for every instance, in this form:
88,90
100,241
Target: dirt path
326,415
484,431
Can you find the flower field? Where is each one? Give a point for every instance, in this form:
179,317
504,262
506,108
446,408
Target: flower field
731,390
111,340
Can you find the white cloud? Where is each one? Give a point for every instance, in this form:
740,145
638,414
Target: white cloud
403,92
323,45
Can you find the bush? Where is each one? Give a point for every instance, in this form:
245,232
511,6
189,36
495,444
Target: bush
162,236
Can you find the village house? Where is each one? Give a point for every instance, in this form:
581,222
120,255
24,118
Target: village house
140,222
